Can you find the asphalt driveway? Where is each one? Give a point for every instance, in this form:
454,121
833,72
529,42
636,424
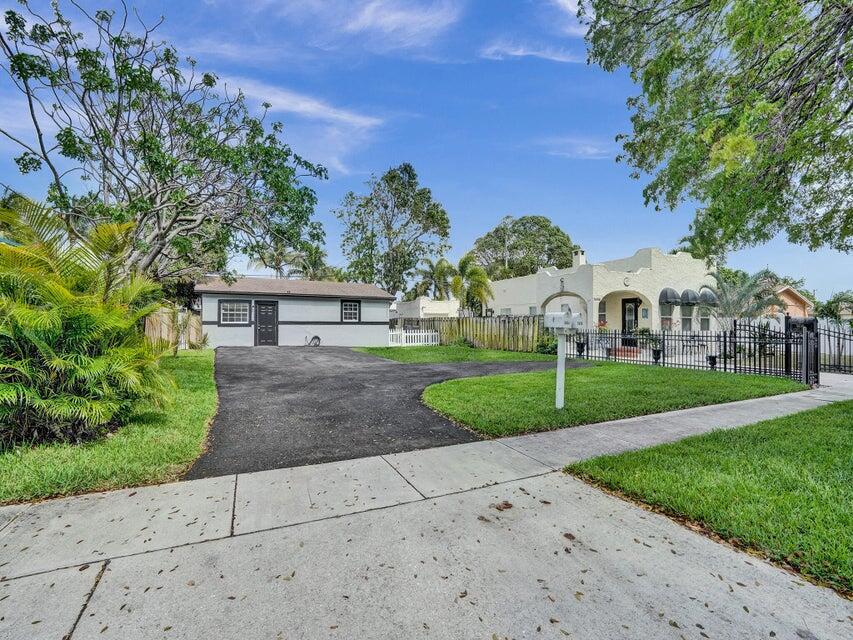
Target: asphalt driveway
292,406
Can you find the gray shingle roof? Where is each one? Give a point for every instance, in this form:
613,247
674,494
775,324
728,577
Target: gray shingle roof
285,287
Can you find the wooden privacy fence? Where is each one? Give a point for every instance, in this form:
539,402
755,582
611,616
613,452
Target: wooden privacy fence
158,326
510,333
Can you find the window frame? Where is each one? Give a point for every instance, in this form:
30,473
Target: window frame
357,304
666,318
602,312
532,310
687,318
226,301
704,319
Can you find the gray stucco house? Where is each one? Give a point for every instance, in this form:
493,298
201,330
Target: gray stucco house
275,311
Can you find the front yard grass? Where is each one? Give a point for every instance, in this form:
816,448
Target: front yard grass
510,404
157,446
451,353
783,487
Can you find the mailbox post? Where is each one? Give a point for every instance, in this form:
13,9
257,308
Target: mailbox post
562,324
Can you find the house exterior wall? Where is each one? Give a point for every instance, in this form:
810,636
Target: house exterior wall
795,305
424,307
300,318
583,287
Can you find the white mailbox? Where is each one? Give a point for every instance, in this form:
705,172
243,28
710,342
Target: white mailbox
562,322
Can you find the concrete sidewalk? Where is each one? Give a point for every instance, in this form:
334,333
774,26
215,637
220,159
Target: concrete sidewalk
406,545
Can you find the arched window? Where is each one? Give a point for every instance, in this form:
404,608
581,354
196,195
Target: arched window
602,312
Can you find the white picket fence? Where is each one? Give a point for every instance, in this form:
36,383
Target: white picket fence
412,337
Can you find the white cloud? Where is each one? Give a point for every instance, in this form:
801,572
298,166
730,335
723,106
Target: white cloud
330,135
406,23
287,101
501,50
570,24
578,147
382,25
233,51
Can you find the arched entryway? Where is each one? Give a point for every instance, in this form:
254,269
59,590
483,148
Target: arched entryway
624,311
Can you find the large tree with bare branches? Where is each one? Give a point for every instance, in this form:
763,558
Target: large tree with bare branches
126,130
745,107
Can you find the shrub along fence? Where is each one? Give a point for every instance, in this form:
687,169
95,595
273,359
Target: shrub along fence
160,325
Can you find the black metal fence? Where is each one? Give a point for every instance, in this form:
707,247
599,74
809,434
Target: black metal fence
745,348
836,349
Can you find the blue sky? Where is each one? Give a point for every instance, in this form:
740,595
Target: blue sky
492,102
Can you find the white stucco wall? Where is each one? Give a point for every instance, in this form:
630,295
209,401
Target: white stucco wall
642,275
300,318
424,307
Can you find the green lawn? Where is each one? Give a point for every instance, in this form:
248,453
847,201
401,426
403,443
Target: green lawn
450,353
783,487
515,403
155,447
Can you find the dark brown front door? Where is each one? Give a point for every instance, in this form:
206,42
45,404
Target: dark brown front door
266,323
630,311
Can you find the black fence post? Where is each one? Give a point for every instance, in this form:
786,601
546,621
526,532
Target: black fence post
817,354
734,343
787,346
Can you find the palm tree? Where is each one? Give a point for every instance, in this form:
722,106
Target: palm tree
435,278
73,358
748,299
311,265
277,258
470,285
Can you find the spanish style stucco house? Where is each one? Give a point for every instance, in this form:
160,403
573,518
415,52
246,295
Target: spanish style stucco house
649,289
276,311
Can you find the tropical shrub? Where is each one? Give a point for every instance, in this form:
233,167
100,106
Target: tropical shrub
73,356
547,344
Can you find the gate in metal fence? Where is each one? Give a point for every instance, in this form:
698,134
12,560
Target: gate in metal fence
836,349
746,348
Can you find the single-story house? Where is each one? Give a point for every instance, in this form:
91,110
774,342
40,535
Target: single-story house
424,307
649,289
276,311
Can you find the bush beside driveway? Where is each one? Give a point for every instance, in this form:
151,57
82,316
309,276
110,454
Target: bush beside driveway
156,446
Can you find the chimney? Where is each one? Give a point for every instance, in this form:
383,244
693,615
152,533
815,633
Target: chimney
578,257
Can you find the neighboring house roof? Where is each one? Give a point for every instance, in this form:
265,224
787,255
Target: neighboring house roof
784,288
300,288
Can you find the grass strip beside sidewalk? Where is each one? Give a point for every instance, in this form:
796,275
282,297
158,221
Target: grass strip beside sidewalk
782,487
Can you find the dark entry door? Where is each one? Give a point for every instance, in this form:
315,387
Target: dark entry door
266,323
630,320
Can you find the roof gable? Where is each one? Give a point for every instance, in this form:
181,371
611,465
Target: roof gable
786,288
